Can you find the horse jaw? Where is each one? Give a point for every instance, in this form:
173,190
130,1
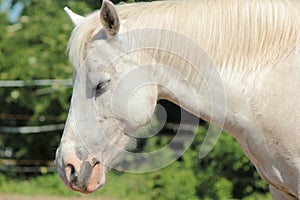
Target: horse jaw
75,18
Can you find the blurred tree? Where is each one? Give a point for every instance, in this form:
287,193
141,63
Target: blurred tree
226,170
33,48
14,9
225,173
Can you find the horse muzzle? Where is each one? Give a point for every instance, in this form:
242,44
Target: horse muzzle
85,176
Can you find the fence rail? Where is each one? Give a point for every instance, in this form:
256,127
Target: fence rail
32,129
43,82
42,166
26,162
27,166
26,83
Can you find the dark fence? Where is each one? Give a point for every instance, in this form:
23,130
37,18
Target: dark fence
10,165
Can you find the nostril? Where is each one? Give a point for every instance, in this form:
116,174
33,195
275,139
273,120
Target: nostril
70,172
71,169
95,162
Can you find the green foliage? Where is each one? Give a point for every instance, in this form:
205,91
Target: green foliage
176,181
225,172
214,177
173,182
43,185
34,48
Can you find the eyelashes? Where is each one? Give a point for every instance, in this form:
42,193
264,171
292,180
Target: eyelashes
102,86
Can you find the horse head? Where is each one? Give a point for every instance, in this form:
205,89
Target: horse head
111,100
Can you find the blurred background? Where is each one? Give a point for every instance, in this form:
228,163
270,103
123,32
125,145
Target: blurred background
35,91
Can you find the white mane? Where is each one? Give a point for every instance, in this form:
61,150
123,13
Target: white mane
240,34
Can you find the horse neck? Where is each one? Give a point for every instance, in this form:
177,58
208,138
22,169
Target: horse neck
187,76
242,58
214,96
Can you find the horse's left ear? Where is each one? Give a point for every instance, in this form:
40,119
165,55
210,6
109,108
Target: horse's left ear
109,18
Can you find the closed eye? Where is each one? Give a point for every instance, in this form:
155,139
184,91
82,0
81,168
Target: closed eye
102,86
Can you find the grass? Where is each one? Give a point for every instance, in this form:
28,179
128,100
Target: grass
125,186
119,186
42,185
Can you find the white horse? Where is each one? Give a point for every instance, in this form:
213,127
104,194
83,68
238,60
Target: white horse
254,47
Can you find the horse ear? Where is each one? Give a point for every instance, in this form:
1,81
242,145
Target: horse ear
109,18
76,19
